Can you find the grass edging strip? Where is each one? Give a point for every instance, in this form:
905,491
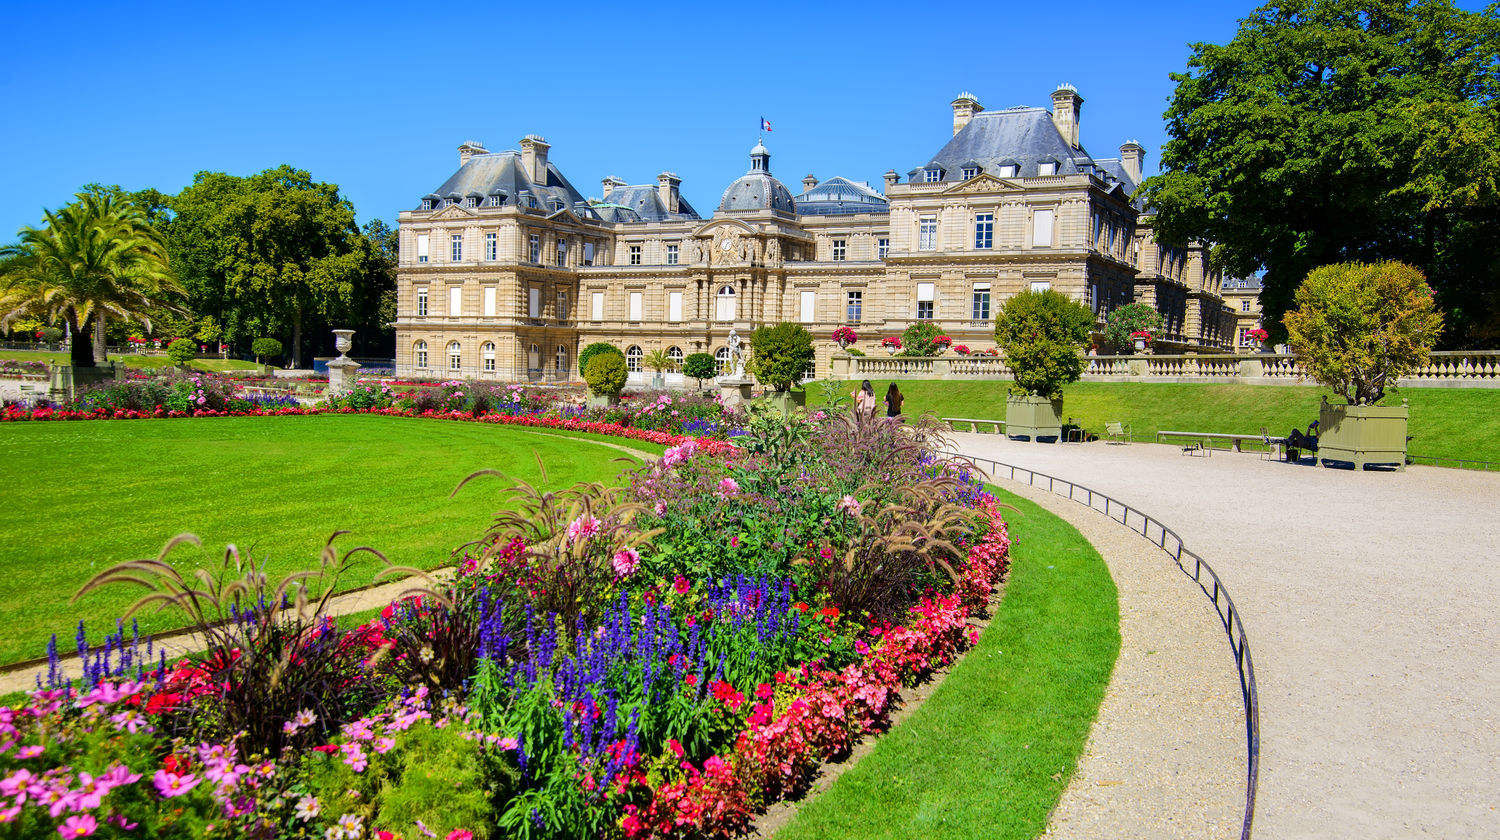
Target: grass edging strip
1212,586
989,754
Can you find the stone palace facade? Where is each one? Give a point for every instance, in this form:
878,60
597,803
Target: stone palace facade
507,271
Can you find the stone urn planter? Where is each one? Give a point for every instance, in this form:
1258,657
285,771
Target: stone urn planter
603,400
1033,418
1363,434
68,380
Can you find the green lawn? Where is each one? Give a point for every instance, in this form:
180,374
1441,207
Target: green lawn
988,755
129,360
87,495
1445,422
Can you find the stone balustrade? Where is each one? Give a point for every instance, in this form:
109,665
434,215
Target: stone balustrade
1453,369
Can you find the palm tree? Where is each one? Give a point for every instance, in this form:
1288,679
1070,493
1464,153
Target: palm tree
95,258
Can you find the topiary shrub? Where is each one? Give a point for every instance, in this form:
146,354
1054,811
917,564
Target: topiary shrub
1128,319
263,347
920,339
1043,334
606,374
700,366
593,350
1358,327
780,355
182,351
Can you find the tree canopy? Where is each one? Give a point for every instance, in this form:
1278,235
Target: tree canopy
1336,130
1358,327
780,354
94,258
272,253
1043,335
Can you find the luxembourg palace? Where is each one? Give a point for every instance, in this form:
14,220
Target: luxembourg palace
507,270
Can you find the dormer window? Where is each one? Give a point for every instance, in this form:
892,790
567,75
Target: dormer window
426,204
932,175
496,200
1008,170
970,172
471,201
1047,167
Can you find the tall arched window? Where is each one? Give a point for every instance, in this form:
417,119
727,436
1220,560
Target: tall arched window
675,354
725,303
455,356
633,359
561,359
721,356
419,354
487,353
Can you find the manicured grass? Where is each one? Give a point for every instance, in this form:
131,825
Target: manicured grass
987,756
1445,422
85,495
129,360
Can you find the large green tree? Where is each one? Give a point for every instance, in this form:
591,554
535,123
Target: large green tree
94,259
1335,130
271,254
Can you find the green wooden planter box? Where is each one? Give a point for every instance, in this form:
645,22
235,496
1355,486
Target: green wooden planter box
1033,418
787,401
1363,434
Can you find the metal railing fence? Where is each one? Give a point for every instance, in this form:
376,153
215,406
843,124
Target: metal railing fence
1194,567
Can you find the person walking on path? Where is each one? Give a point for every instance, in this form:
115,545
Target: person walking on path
893,400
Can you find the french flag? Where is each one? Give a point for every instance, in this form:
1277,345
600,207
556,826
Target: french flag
765,124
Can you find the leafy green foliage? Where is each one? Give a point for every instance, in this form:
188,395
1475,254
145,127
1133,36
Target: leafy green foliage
700,366
917,339
1124,320
1359,327
95,258
593,350
1042,334
658,360
606,374
1336,130
182,351
272,253
781,354
264,347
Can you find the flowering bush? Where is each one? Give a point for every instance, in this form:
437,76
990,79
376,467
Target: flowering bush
891,341
1144,335
942,341
961,349
845,336
655,660
1257,334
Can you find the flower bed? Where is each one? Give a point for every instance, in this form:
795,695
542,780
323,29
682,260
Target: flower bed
656,660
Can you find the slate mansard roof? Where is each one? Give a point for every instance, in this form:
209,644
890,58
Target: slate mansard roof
1024,137
502,173
841,196
641,203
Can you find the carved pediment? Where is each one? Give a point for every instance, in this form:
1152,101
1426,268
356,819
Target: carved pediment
452,211
984,183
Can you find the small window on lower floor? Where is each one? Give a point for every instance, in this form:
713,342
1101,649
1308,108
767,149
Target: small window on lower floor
561,359
487,353
633,359
721,358
455,356
419,354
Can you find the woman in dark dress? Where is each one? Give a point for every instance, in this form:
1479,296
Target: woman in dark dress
893,400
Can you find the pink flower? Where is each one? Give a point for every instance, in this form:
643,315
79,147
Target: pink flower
459,834
29,752
728,487
10,815
384,745
625,561
78,826
583,528
850,505
681,585
170,785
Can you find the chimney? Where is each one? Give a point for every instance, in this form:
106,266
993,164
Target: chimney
668,189
468,149
891,179
610,184
534,158
1132,156
1067,107
964,109
808,182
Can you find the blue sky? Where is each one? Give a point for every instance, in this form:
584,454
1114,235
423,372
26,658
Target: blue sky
376,97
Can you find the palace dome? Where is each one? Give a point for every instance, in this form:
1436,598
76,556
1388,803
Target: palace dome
757,189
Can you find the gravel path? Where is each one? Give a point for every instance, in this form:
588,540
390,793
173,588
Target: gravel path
1369,600
1166,756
